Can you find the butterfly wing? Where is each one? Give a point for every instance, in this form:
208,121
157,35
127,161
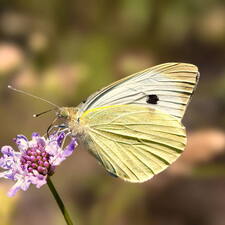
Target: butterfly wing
133,142
171,84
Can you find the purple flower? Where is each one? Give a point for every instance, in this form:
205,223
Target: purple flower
35,160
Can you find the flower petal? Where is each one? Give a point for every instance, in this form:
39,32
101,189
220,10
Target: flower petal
17,186
35,134
70,148
10,158
60,138
7,150
61,155
6,174
21,142
52,147
38,180
37,142
57,159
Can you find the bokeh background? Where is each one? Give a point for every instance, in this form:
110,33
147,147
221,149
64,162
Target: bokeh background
64,51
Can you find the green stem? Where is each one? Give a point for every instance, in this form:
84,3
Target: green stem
59,202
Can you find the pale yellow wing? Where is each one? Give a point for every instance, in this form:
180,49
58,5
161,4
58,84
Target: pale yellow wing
133,142
167,87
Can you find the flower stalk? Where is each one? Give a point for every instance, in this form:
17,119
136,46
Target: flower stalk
59,202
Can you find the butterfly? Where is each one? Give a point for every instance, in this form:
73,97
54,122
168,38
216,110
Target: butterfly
133,126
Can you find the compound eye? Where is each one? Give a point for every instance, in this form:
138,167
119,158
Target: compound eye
62,115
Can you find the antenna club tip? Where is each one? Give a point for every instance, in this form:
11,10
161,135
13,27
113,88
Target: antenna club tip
34,115
9,86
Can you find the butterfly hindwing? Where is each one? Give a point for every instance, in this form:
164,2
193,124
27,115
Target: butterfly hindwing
133,142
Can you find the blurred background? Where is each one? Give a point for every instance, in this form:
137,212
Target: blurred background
64,51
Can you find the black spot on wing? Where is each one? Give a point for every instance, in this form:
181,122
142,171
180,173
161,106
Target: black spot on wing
152,99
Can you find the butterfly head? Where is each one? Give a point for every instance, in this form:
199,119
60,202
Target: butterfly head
68,117
66,113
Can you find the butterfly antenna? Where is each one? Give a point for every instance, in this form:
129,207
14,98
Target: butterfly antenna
34,96
39,114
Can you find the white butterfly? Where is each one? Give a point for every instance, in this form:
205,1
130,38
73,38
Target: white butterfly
133,126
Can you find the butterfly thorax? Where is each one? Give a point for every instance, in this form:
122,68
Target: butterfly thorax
70,118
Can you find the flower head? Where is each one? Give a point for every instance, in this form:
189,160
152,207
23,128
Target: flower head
35,160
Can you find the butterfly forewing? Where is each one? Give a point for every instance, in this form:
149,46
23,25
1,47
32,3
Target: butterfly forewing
166,87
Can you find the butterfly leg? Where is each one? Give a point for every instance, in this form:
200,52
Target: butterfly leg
51,127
